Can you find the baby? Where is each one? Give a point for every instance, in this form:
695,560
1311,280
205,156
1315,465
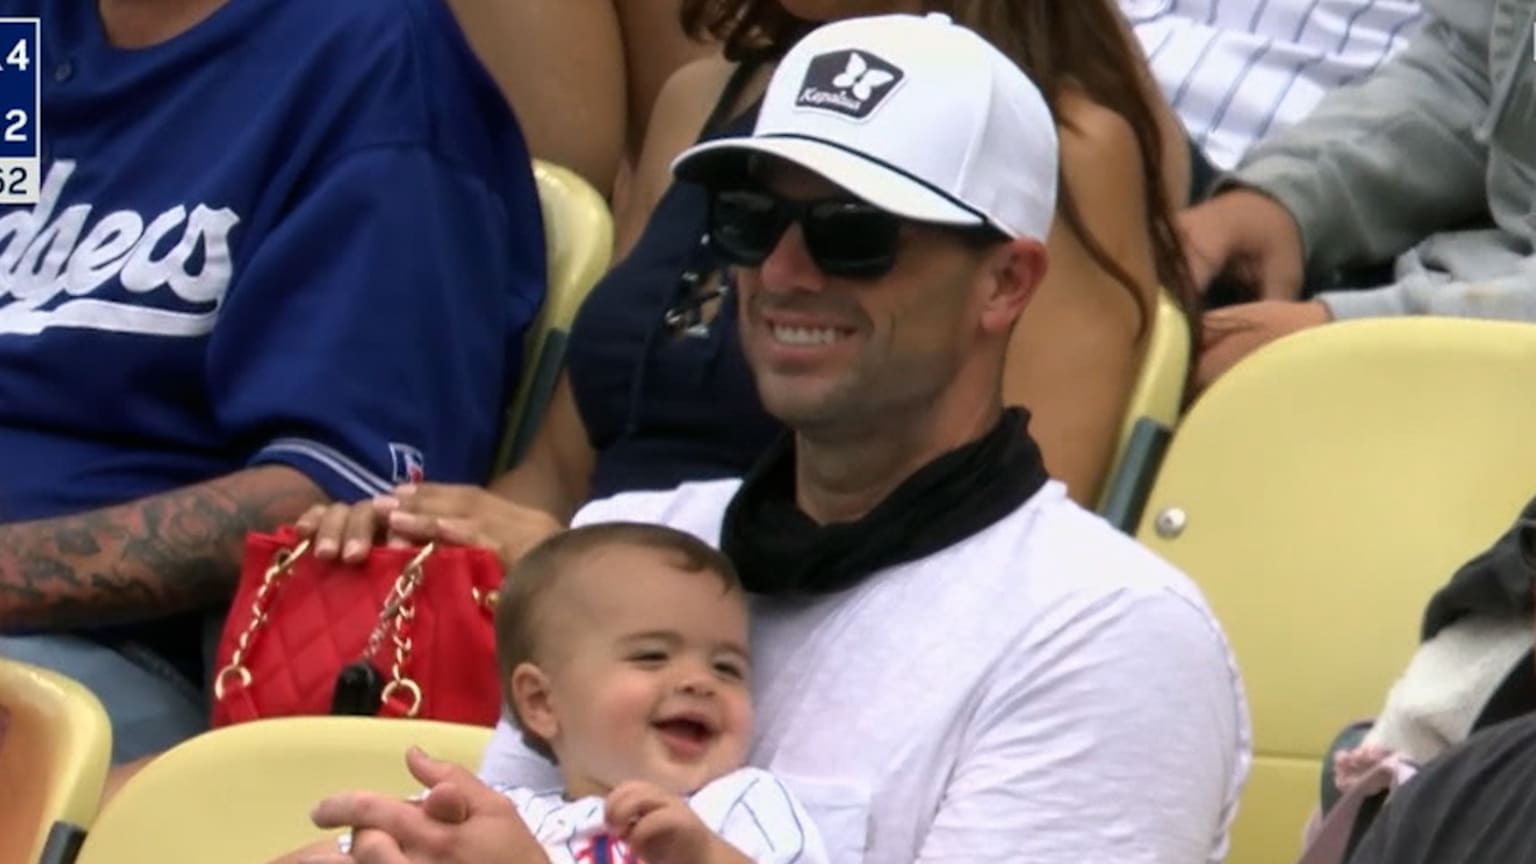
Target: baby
623,656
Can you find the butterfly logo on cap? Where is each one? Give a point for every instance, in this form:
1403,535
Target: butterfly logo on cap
851,83
861,79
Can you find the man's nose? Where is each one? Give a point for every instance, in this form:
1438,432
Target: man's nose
789,267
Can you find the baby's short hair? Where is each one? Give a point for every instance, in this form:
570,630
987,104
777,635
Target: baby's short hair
527,583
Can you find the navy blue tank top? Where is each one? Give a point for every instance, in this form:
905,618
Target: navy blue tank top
664,404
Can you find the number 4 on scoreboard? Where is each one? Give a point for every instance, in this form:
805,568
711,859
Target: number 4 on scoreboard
18,56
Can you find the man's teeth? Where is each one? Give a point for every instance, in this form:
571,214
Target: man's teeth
806,335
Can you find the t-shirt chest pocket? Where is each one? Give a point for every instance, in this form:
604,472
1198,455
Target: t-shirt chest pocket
840,809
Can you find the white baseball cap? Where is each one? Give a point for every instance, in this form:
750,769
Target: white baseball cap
915,114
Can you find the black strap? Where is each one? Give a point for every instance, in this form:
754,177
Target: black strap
738,81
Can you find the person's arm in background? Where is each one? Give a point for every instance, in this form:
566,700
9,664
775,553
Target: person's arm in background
1075,354
1375,168
555,474
168,553
655,47
1510,297
561,66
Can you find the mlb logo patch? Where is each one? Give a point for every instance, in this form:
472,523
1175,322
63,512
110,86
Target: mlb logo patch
852,83
410,465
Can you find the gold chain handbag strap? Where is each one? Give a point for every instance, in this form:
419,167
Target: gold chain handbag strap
277,571
394,621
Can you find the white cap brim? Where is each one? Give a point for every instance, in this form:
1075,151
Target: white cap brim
882,185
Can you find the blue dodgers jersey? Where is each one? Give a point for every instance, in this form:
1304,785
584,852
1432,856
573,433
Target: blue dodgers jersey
302,232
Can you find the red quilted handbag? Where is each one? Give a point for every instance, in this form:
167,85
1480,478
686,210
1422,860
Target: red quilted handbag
408,633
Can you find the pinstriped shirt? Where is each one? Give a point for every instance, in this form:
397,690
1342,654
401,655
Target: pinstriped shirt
1236,70
748,808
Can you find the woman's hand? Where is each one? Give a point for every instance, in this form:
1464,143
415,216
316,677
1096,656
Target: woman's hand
344,531
469,516
430,512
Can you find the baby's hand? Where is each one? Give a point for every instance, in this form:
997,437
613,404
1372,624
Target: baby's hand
1351,766
660,827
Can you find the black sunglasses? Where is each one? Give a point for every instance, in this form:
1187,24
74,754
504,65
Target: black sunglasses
845,237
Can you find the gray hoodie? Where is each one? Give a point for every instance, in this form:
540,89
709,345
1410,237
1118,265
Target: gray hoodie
1398,163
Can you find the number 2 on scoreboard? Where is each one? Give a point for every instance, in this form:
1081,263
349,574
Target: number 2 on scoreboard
15,121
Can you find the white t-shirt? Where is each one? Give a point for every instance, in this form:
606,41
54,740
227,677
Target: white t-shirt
1237,70
747,808
1046,690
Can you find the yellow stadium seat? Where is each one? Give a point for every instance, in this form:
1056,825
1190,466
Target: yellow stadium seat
578,240
1150,415
1319,493
242,794
55,744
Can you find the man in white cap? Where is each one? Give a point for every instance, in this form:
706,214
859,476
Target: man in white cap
952,660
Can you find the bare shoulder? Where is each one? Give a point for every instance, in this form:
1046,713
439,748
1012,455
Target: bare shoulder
1099,150
710,71
1102,169
695,85
682,106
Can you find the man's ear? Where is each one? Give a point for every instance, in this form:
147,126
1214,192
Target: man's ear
1014,270
533,703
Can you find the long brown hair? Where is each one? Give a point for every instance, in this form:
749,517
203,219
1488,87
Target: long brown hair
1059,44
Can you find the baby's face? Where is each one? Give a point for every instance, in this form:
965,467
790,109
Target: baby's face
648,673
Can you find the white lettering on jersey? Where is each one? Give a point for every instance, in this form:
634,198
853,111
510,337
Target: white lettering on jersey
50,265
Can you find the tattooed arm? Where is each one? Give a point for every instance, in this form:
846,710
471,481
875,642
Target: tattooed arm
145,559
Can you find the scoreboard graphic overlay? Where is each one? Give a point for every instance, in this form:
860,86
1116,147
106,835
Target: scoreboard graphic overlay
20,98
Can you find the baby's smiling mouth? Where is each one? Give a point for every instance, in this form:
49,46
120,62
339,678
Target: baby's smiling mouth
685,727
686,734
